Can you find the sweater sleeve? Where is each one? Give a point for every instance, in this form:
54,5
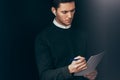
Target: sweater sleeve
45,63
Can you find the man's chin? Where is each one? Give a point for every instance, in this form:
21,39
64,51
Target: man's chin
67,24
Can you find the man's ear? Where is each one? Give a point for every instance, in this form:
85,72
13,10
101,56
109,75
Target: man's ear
53,10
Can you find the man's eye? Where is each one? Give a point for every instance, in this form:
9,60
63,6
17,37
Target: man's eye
72,10
64,12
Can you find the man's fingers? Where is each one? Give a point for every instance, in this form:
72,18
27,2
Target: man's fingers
81,67
78,64
92,75
81,60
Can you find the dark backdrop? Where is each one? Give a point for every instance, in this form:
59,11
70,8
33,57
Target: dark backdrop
20,22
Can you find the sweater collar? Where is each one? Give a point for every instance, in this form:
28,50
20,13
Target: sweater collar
60,26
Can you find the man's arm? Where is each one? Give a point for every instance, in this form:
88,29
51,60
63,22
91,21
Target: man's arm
46,66
45,63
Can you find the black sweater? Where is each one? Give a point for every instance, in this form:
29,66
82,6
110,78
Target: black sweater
55,48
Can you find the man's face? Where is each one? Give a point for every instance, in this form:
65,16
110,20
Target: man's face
65,13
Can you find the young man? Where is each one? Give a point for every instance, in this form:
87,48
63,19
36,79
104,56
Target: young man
59,48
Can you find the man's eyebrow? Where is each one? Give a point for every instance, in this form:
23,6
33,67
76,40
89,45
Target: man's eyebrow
68,10
65,11
72,9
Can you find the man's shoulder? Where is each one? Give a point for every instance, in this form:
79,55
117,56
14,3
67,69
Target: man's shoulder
45,31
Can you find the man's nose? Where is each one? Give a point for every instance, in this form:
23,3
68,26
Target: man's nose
69,15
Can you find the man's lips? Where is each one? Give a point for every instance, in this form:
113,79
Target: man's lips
68,21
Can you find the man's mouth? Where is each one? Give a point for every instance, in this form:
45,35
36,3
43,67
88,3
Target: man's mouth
68,21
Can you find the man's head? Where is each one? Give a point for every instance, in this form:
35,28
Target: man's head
64,11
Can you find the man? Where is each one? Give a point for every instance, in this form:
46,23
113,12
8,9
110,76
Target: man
59,48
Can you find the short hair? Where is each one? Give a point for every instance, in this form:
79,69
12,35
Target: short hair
56,3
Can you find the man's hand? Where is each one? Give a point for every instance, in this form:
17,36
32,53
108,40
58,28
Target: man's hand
92,75
77,65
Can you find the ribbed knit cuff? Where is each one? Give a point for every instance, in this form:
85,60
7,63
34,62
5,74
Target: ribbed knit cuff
66,73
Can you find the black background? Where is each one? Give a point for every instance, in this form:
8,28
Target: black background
21,21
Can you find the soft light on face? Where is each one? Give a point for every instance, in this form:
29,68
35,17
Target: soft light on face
65,13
